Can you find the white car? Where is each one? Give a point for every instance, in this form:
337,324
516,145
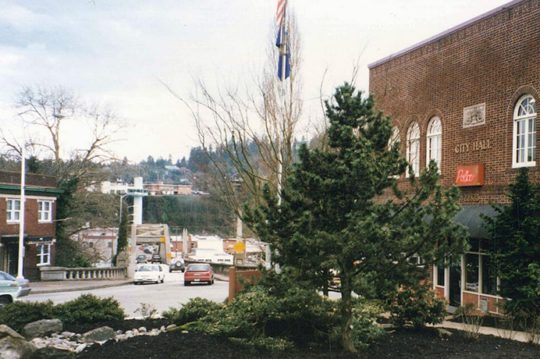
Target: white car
149,273
11,288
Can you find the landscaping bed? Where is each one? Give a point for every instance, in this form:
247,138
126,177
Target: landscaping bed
405,343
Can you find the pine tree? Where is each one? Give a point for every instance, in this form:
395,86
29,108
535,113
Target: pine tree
515,248
342,212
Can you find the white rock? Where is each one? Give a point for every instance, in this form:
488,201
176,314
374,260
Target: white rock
142,329
80,348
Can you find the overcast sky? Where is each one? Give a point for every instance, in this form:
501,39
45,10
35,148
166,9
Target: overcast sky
116,52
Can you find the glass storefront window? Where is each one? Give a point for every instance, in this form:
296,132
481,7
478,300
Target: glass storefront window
440,275
471,272
489,279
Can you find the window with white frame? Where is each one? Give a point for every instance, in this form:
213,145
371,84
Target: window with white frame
13,210
524,143
394,138
480,276
413,148
45,211
434,142
44,254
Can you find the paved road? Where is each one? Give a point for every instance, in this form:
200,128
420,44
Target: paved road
172,293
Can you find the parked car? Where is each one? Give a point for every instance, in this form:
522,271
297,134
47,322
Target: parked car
12,288
149,273
198,273
141,258
156,258
177,265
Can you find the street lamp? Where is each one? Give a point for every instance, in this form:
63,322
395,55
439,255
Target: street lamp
20,266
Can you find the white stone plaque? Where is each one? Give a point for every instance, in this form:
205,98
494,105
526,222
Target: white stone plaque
474,115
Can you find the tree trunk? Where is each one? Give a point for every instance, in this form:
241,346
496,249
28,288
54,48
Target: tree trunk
346,314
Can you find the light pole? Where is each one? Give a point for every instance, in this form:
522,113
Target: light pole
20,274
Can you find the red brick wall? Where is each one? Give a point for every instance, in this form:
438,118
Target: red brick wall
493,61
31,225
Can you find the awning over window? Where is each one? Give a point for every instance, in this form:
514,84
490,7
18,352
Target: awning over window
471,217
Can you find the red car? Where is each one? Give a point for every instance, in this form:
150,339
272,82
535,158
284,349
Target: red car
198,273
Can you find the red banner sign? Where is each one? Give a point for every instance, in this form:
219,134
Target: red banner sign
470,175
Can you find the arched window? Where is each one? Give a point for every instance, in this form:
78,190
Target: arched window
413,148
434,142
394,138
524,143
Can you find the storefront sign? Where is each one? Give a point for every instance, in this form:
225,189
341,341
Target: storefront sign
470,175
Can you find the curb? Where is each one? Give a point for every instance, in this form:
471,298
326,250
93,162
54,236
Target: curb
90,287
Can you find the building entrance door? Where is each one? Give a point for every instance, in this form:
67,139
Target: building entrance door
455,285
12,258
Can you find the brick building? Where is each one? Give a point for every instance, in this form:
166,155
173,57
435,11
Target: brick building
39,231
466,98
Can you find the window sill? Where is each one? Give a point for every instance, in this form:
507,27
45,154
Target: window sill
526,164
13,222
44,222
43,264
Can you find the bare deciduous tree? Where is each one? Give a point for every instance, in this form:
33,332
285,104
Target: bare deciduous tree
253,130
46,112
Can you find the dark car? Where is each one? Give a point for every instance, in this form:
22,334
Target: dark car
156,258
177,265
198,273
141,258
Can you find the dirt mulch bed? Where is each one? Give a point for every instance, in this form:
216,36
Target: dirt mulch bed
122,325
410,343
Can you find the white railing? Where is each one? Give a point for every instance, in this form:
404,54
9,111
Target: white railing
63,273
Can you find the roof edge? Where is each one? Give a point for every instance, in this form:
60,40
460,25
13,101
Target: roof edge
445,33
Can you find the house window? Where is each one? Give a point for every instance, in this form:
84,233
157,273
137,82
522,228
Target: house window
524,143
413,149
44,254
45,211
13,210
434,142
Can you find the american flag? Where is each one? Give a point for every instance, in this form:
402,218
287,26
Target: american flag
284,57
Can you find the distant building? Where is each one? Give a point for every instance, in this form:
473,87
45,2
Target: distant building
160,188
100,244
39,228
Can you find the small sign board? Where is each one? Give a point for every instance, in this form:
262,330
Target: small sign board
240,247
470,175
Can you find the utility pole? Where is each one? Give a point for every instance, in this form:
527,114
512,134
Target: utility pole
20,274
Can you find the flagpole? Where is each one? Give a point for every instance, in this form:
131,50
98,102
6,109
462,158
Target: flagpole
20,274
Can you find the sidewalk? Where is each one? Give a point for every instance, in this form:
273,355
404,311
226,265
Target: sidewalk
74,285
502,333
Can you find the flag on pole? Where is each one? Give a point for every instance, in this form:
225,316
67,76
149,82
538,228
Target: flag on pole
284,56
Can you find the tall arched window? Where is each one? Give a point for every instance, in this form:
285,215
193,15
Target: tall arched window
413,148
394,138
524,144
434,142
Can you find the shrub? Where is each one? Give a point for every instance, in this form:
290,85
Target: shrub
417,307
365,329
193,310
89,309
16,315
299,315
471,320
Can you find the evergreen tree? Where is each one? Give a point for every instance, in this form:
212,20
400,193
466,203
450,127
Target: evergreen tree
515,248
341,211
122,230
